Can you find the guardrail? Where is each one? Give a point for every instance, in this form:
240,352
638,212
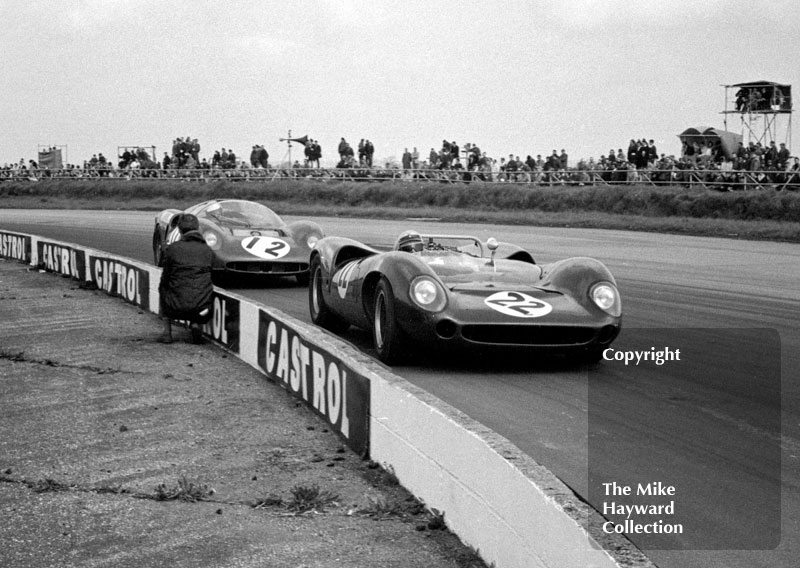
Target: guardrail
499,501
716,179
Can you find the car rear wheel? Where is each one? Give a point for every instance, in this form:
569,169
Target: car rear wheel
389,339
320,312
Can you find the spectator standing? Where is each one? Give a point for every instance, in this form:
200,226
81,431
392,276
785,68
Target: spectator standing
407,160
563,160
652,154
473,156
415,158
632,147
783,157
433,159
369,152
754,163
741,156
642,155
511,168
316,152
553,162
771,156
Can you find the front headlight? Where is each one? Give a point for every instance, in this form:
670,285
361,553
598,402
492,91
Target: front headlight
312,240
606,297
428,294
212,239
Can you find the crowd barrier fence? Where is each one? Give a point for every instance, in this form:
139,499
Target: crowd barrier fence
714,179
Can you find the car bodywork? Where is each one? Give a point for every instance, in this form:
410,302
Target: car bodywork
246,237
457,292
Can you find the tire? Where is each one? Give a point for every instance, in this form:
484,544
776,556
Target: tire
388,337
158,249
321,314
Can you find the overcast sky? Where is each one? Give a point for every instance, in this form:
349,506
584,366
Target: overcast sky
513,76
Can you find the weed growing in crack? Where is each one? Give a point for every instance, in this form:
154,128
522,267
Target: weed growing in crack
381,507
111,490
13,357
312,498
185,491
269,501
49,486
436,522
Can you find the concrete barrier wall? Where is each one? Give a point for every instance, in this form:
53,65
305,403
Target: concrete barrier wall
499,501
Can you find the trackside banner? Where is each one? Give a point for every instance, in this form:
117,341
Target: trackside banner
224,324
16,247
51,159
335,392
118,278
62,259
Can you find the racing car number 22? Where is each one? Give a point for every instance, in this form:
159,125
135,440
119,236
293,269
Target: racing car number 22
518,305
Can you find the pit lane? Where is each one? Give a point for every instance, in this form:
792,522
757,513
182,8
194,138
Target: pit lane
666,282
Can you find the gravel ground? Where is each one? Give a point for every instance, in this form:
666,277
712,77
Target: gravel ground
120,451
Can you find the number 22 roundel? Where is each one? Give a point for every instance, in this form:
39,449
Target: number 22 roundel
268,248
518,305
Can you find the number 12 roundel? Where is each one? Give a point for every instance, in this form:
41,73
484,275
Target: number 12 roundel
518,305
268,248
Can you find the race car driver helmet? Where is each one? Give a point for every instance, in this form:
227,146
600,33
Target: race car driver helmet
409,241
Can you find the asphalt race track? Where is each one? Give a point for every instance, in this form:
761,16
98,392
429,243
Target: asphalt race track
721,425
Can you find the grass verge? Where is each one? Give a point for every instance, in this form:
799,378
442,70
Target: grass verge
754,215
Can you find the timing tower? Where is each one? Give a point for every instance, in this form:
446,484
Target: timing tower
764,109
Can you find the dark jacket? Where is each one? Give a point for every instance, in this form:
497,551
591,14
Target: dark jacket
185,288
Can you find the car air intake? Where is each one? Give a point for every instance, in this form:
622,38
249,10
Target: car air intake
267,267
527,335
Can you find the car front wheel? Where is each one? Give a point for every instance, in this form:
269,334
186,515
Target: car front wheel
158,249
389,339
321,314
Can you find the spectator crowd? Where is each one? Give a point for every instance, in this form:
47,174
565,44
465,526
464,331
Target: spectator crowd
704,161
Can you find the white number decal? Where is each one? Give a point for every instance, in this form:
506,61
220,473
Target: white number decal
266,247
342,278
518,305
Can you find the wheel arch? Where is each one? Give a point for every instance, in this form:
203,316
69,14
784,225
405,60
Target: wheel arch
368,292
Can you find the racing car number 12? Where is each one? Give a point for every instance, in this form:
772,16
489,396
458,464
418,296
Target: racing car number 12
518,305
266,247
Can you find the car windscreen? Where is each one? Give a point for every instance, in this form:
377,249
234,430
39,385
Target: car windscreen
466,245
242,213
